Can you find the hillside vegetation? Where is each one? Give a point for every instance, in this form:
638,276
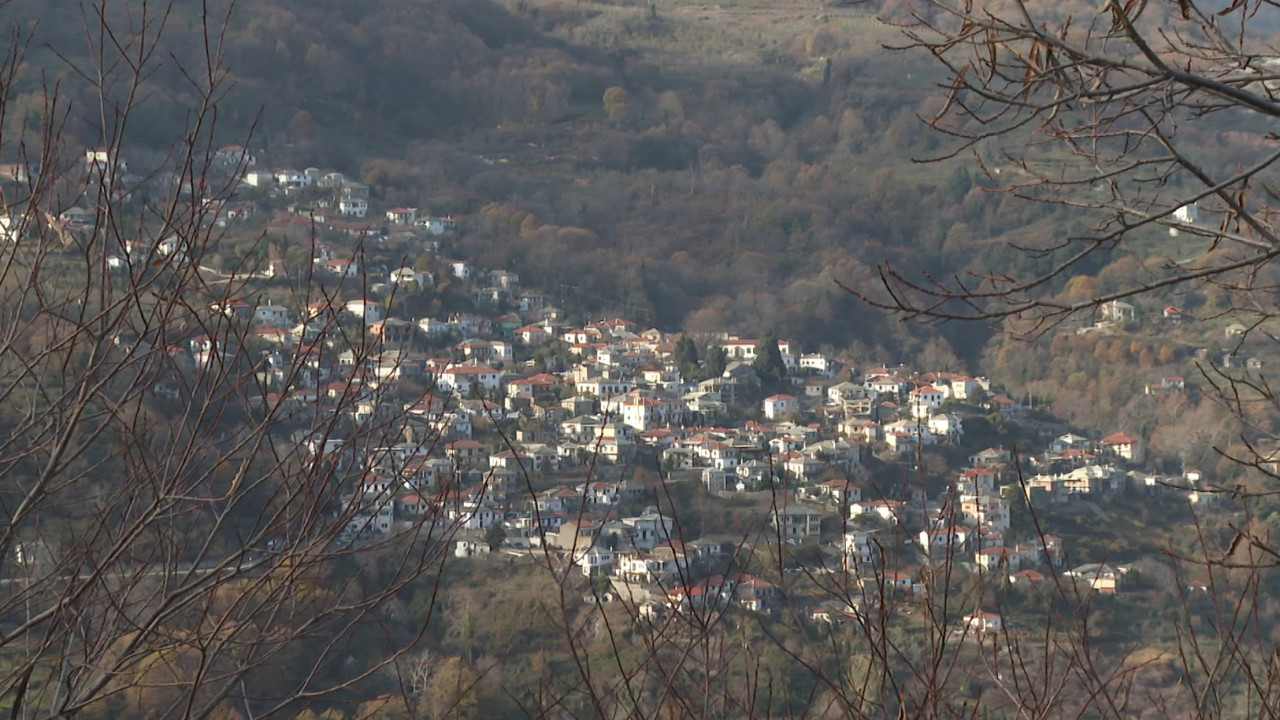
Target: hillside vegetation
393,490
694,166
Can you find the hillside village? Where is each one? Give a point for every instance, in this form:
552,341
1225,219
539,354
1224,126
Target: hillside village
598,359
525,433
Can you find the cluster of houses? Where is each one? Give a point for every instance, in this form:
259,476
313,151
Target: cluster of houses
464,450
314,201
515,454
621,395
329,200
969,524
1117,313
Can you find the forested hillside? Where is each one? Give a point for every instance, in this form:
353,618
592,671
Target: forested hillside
701,167
532,358
694,166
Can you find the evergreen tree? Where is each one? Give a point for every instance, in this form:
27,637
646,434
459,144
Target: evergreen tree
716,361
768,363
495,535
959,183
686,358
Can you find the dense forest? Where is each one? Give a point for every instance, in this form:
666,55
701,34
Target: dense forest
709,173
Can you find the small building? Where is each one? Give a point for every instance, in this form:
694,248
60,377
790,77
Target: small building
797,521
1101,578
1124,446
1188,214
983,621
888,510
777,407
859,550
370,311
1118,311
402,216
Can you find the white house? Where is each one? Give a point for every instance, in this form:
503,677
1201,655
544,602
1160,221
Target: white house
293,178
637,566
998,557
817,363
722,456
172,247
859,550
936,539
986,511
431,327
844,391
371,311
276,316
1189,214
534,335
1118,311
259,178
466,379
603,387
1068,442
964,388
739,349
925,399
977,481
474,516
342,267
797,521
1124,446
402,216
353,207
644,413
984,622
904,436
595,561
780,406
236,155
885,384
646,530
409,277
437,225
10,227
460,269
946,426
889,510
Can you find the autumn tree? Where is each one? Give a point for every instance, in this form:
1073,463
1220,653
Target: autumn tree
451,692
617,103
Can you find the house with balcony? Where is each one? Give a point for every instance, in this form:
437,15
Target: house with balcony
796,521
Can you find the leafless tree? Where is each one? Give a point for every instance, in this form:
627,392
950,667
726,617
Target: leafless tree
1144,126
1142,118
188,533
1149,127
178,522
